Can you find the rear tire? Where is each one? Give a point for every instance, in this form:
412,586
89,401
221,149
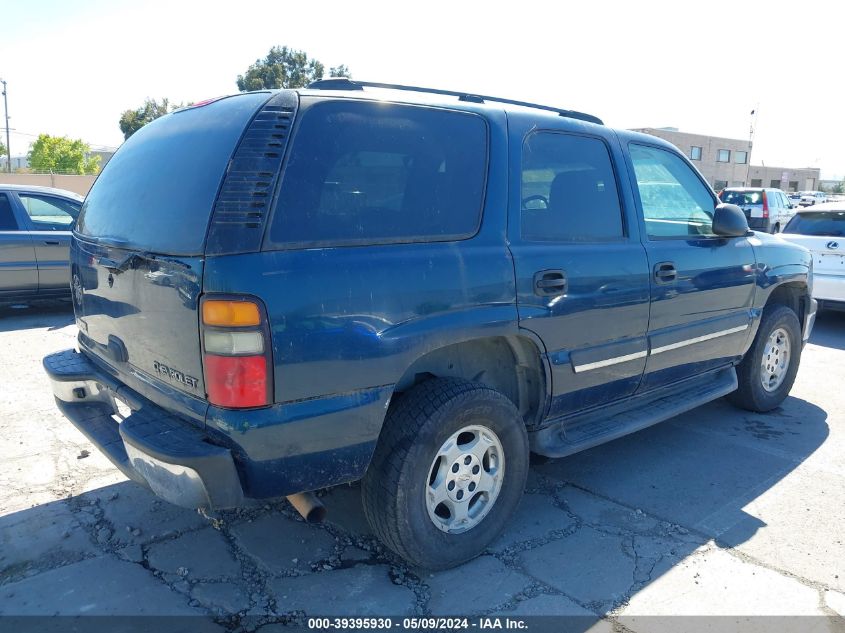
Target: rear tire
776,229
447,473
767,372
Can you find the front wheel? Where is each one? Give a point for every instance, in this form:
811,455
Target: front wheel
448,472
767,372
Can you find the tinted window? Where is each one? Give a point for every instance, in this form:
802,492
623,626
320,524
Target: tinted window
829,223
48,213
568,189
158,191
675,202
7,218
365,173
742,198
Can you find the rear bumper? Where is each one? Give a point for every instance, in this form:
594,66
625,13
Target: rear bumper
150,446
760,224
829,288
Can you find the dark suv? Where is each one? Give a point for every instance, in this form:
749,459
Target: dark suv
282,291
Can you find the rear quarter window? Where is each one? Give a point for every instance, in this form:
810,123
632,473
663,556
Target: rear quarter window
375,173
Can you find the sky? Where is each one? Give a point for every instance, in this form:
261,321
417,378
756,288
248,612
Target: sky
73,67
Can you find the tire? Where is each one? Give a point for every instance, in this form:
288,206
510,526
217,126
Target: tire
751,373
410,471
776,229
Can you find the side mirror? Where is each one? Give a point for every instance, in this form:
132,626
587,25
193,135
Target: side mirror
729,221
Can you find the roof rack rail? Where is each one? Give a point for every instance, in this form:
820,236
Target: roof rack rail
343,83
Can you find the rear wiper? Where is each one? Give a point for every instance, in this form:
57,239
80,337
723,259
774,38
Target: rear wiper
116,267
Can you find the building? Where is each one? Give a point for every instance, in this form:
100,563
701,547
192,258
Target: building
724,162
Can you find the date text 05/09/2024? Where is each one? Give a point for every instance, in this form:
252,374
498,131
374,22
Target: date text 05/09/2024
417,624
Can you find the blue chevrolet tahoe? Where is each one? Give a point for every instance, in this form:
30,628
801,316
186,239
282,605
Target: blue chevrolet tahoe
286,290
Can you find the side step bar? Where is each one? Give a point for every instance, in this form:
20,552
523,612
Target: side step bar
566,436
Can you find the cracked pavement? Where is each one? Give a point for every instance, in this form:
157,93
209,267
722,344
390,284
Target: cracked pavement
716,512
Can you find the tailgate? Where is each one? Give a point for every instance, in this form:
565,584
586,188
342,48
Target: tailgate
138,312
828,252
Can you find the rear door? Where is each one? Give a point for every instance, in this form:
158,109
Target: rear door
581,271
702,285
139,250
18,268
51,220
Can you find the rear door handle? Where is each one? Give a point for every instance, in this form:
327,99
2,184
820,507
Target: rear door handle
51,242
550,283
665,272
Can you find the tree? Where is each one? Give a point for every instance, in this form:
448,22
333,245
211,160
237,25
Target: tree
133,120
63,155
285,68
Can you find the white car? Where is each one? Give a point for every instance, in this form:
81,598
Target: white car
821,229
810,198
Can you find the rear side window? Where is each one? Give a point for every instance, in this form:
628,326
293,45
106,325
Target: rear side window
374,173
569,190
829,223
48,213
7,218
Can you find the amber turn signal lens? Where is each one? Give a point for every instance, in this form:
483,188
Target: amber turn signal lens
230,313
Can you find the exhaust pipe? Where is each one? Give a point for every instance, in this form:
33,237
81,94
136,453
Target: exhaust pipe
309,506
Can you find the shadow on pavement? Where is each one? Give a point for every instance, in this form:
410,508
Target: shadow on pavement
592,532
829,330
52,314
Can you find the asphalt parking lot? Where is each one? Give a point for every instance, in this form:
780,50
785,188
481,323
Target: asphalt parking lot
716,512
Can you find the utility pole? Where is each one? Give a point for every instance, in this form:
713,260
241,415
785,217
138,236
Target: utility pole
6,112
750,142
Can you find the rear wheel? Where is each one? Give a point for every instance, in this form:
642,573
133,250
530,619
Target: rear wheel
767,372
448,472
776,229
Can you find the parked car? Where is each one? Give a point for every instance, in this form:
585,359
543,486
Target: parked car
794,198
821,229
809,198
281,291
765,209
35,231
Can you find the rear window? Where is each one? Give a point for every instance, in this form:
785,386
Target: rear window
370,173
742,198
158,191
829,223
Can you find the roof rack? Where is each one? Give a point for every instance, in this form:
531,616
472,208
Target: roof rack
343,83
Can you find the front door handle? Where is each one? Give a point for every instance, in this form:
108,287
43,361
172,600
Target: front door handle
51,242
550,283
665,272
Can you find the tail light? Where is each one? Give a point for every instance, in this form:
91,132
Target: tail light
236,354
765,205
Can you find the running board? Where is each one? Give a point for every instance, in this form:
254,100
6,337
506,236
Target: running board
572,434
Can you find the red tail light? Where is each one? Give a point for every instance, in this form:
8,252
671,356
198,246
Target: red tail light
236,381
237,358
765,205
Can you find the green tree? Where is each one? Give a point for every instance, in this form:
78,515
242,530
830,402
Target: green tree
284,67
133,120
63,155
